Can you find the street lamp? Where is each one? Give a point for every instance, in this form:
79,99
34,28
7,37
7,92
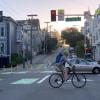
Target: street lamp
31,23
47,25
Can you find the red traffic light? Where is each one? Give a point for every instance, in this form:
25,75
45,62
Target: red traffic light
53,15
53,12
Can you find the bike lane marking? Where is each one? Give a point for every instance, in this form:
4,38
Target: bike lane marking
43,79
25,81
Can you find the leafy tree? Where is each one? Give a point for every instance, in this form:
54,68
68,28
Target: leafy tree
51,44
80,49
72,36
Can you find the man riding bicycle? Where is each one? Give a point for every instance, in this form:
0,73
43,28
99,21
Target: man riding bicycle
61,59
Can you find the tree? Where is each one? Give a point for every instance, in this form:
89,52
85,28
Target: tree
72,36
56,35
80,49
51,44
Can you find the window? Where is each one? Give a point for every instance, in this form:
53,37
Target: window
83,62
96,36
93,39
2,32
2,48
98,16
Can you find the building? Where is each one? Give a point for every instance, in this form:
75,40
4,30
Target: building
92,31
8,41
96,34
31,26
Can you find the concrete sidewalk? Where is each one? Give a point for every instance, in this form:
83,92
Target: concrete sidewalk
39,62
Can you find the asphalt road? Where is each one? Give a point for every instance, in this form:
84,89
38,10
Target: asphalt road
33,85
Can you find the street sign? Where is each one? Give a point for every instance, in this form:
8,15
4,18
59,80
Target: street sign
60,14
97,11
73,19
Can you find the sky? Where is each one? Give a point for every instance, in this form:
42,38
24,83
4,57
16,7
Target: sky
19,9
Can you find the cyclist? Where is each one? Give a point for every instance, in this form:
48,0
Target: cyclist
61,59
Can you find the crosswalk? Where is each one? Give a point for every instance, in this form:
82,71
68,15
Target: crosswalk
37,80
20,72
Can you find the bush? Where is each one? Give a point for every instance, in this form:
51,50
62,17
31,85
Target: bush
7,65
16,59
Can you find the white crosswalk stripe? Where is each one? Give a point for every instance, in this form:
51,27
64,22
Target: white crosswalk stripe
43,79
88,80
20,72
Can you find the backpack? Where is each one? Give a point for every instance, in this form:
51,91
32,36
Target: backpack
58,57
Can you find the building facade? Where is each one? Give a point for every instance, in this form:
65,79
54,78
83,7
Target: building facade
31,27
8,44
92,30
96,34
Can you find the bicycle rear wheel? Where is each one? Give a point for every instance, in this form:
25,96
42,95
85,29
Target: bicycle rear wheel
56,80
78,80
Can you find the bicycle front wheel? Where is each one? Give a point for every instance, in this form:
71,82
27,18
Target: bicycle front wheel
56,80
78,80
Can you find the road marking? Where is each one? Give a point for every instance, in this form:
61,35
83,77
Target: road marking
48,71
89,80
21,72
43,79
98,75
7,73
25,81
1,79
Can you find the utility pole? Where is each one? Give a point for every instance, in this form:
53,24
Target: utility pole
45,36
47,25
31,43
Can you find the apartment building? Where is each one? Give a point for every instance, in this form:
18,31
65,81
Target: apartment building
8,44
32,27
96,34
92,30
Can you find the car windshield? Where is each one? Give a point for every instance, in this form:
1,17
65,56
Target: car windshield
79,61
83,62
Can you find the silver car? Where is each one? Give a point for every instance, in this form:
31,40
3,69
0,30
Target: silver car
84,66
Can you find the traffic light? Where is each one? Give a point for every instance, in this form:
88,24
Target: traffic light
53,15
1,16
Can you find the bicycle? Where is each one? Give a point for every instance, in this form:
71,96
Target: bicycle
78,80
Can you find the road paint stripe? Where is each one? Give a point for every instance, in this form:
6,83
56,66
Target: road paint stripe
48,72
25,81
7,73
88,80
43,79
98,75
21,72
1,79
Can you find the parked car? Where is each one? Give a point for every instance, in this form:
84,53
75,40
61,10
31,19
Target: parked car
84,66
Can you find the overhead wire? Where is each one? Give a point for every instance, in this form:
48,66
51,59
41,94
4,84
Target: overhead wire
11,10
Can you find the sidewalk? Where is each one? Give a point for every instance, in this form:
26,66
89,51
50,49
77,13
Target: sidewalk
39,61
